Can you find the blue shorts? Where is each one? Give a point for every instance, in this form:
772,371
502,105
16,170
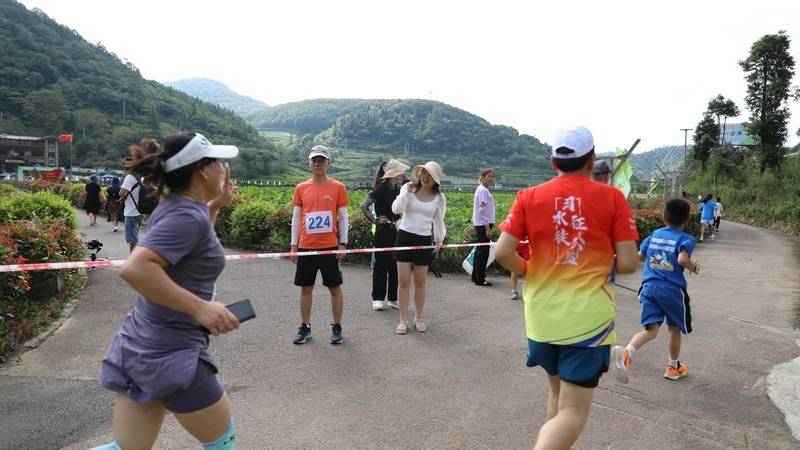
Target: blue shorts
581,366
132,224
668,301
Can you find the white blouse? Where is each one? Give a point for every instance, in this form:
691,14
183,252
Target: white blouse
419,216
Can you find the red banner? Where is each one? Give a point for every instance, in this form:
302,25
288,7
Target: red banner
51,175
64,138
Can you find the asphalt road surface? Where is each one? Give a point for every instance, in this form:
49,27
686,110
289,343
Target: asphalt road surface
463,384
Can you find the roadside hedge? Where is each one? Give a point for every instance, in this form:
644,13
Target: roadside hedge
40,206
29,241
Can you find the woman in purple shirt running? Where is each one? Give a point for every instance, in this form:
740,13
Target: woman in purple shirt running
159,361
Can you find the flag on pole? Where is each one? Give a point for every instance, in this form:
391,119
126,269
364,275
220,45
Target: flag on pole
622,177
64,138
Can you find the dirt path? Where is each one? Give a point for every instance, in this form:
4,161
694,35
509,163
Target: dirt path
463,384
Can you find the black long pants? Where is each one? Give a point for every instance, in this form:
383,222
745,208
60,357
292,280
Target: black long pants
385,271
481,256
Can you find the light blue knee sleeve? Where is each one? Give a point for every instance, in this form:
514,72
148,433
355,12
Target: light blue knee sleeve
111,446
224,442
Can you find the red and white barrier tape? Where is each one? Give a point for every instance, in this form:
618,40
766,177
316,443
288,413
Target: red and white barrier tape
120,262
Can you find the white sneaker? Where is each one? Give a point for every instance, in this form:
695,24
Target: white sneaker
393,305
712,237
377,305
515,295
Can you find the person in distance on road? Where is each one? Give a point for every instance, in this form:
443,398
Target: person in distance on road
601,172
159,360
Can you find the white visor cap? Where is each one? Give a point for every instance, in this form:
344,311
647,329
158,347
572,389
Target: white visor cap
196,149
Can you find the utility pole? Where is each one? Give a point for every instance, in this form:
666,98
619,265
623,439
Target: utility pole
685,143
123,109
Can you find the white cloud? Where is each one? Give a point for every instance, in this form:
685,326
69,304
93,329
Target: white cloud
624,69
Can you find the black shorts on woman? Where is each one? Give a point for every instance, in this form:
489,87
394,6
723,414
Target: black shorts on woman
423,257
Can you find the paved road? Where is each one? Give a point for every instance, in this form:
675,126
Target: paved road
462,384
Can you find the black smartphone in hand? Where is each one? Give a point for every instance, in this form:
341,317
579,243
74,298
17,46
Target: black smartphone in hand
243,310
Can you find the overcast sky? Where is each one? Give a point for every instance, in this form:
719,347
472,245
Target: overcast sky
625,71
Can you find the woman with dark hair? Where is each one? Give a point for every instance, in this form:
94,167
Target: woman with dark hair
483,220
112,202
92,203
159,361
386,187
423,207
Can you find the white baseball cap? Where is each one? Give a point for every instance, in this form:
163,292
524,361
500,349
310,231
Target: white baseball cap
196,149
572,143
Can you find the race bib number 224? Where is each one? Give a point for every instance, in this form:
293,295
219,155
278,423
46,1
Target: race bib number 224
319,222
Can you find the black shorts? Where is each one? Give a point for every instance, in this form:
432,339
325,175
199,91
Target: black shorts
307,266
416,257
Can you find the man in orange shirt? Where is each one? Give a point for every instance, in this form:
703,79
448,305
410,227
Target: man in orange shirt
319,222
578,230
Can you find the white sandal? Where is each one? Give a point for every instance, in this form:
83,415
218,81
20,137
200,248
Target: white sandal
402,327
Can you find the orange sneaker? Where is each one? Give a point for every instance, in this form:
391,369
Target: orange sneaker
620,363
676,374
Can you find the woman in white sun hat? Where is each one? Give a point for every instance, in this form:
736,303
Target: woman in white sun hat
423,207
386,188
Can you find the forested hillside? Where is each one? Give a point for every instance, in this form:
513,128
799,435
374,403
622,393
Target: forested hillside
413,129
219,94
52,81
644,164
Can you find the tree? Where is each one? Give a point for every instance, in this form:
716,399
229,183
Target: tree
706,136
722,108
769,70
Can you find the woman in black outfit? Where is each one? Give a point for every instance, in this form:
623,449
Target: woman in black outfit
92,203
386,187
112,202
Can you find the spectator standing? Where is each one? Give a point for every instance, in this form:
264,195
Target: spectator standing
386,187
423,208
483,218
319,222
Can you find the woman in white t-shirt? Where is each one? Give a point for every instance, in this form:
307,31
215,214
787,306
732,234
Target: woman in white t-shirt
423,207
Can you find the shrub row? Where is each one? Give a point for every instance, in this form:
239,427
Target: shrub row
254,224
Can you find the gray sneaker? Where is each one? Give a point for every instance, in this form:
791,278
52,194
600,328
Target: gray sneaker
515,295
336,334
393,304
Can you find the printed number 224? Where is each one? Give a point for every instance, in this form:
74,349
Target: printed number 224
317,223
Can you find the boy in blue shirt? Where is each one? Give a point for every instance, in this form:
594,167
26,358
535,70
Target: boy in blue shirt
666,253
707,208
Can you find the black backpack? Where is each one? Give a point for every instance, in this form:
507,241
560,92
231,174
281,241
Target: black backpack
148,198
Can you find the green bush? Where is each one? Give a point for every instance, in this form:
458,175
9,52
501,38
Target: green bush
278,228
222,225
38,207
23,242
248,225
76,194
